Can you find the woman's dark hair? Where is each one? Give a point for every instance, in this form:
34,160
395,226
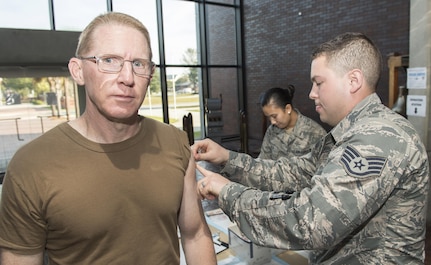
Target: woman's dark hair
279,96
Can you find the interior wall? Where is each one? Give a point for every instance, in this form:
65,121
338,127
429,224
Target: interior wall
279,37
36,53
420,56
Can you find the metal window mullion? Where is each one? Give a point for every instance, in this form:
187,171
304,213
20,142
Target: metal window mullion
242,103
51,14
162,66
109,5
203,38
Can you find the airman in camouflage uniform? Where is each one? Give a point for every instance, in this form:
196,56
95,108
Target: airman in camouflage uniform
290,132
298,141
359,197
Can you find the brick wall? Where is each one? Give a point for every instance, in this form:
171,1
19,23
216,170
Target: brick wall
279,36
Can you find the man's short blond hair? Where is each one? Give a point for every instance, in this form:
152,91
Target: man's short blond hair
86,40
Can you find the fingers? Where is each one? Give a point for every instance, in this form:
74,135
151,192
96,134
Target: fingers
204,150
202,170
204,184
204,189
197,150
200,191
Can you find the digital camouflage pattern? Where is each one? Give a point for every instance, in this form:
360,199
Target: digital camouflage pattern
359,197
299,141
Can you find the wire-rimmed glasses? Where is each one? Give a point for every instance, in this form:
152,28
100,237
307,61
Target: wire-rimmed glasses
113,64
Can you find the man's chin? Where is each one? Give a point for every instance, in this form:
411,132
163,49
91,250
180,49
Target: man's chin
323,118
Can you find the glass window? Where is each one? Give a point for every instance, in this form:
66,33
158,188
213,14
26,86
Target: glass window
222,1
182,48
152,105
25,14
146,12
221,35
183,98
224,85
180,30
75,15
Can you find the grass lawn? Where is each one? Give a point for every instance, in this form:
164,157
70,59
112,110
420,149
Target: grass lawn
193,99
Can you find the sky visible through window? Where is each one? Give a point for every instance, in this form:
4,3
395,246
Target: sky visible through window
28,14
179,19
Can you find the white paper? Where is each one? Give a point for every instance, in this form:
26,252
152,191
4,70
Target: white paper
416,78
416,105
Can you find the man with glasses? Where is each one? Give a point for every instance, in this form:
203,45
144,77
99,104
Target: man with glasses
110,187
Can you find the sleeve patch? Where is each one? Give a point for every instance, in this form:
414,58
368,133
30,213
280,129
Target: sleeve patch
359,166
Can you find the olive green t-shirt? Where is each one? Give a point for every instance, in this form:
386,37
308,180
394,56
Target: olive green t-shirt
91,203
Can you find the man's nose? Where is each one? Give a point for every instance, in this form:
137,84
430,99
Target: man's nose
127,72
313,94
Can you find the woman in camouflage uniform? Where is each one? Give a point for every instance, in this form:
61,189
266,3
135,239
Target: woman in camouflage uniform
290,132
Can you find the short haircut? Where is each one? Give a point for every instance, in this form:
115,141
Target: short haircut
350,51
86,40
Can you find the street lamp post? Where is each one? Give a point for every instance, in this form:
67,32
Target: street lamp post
174,79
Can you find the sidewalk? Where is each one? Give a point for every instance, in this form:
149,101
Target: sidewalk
20,124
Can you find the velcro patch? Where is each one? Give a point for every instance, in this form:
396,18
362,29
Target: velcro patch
359,166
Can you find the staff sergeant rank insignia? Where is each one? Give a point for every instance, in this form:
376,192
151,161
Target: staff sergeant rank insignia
358,166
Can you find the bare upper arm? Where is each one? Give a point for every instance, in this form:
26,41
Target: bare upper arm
10,258
191,218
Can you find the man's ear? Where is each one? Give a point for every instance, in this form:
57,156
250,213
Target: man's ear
75,70
356,79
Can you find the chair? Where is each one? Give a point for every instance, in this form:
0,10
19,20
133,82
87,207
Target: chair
188,127
214,117
243,132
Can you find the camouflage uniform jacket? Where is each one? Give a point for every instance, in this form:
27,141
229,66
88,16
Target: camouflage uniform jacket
359,197
299,141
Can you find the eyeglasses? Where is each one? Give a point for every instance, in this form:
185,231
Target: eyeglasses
113,64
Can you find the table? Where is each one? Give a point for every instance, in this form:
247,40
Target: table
220,225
